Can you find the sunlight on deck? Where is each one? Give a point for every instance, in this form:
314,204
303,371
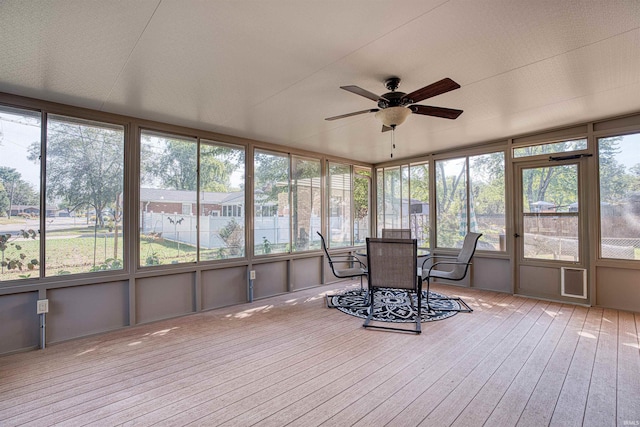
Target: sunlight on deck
249,312
86,351
163,331
587,335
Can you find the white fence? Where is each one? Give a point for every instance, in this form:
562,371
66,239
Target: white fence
182,228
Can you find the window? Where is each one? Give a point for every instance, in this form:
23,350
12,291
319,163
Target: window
487,200
403,200
231,210
390,204
419,203
551,148
361,196
619,167
222,222
451,205
306,202
339,197
380,204
271,202
85,179
168,179
481,180
19,194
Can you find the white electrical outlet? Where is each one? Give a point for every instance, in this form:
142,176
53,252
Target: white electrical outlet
252,275
43,306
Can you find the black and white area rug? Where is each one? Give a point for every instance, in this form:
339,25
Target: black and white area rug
394,306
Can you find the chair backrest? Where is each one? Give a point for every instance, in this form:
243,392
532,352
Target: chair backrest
324,246
396,233
465,255
326,252
392,263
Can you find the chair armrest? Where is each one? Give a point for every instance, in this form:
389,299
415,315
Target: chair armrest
346,258
447,262
430,257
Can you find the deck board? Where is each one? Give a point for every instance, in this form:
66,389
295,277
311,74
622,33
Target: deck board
289,360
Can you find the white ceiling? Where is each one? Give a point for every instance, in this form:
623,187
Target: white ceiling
271,69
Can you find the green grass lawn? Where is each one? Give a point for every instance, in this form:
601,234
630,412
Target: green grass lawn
78,251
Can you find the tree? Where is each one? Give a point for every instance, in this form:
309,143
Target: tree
85,166
450,191
216,165
635,181
18,191
270,171
4,201
615,182
8,179
419,177
175,166
361,194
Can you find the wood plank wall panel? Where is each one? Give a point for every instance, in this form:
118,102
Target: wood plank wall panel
306,272
223,287
19,323
491,274
84,310
617,288
271,279
164,297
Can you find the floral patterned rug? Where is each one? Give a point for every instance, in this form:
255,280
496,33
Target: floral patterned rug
392,305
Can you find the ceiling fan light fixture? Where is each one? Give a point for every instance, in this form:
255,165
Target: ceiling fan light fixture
393,116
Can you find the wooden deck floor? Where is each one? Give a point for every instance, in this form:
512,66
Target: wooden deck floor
289,360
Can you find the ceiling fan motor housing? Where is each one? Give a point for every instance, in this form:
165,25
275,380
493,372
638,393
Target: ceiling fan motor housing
393,99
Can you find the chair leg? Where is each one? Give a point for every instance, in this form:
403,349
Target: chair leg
464,307
365,298
370,314
367,322
419,313
428,308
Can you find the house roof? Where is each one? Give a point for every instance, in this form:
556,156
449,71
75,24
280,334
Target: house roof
272,70
179,196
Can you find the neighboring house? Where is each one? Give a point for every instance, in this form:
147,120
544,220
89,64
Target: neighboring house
33,211
25,210
184,202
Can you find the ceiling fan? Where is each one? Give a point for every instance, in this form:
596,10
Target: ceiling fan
394,107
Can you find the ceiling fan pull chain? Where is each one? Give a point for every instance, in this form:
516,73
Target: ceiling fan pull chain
393,139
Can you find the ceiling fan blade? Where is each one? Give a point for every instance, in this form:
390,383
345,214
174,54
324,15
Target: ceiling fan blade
434,89
428,110
342,116
385,128
362,92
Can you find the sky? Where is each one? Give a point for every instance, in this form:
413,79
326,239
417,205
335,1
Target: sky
16,134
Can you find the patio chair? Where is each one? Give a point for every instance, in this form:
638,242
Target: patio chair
356,269
396,233
458,271
393,264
